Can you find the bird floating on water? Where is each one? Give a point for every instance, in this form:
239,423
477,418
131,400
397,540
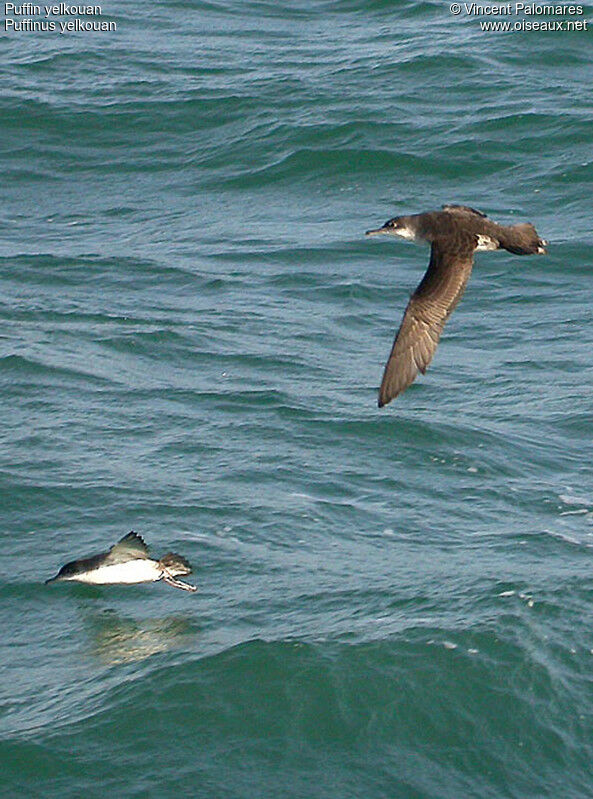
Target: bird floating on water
454,234
126,562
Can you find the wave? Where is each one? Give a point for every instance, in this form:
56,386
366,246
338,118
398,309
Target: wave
430,709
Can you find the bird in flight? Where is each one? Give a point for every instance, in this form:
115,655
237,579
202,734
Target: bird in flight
126,562
454,234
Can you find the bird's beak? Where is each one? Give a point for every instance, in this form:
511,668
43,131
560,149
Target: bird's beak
378,231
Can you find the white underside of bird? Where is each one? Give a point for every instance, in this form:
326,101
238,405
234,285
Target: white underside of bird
132,571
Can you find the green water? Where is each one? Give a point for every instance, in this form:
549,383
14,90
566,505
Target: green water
193,327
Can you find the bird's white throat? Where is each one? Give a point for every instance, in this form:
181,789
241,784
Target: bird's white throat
405,233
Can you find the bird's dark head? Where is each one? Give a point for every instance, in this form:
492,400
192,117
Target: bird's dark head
67,572
397,226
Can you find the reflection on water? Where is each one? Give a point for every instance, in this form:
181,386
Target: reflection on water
119,639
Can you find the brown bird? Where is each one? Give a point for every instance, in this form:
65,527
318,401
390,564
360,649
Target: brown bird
454,234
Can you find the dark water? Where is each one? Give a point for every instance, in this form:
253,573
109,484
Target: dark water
391,603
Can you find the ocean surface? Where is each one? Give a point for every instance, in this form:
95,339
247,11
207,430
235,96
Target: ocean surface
391,603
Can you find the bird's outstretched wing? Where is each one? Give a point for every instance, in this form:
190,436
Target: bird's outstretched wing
441,288
130,547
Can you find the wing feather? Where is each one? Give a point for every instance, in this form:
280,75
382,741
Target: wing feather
439,291
130,547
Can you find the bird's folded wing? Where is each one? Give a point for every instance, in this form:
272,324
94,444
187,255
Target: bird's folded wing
430,306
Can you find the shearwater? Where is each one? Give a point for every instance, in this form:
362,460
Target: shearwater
126,562
454,234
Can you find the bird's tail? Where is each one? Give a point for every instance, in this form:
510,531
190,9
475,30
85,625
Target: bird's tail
175,564
523,239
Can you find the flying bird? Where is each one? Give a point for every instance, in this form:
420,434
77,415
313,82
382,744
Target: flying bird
454,234
126,562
